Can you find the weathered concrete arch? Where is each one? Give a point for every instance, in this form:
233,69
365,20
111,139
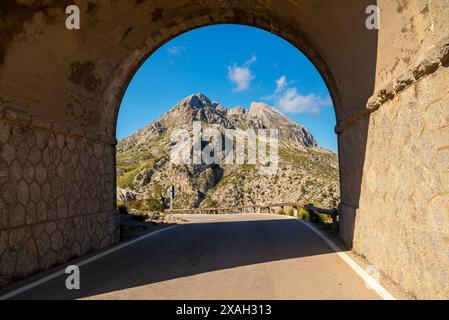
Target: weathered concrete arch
60,91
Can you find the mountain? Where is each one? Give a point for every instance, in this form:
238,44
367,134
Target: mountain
198,107
306,172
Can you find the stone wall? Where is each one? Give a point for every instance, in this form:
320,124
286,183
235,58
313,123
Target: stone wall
400,219
56,197
402,223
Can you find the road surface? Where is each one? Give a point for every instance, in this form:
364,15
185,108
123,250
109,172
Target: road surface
253,256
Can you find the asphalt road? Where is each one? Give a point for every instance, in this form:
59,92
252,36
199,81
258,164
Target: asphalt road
254,256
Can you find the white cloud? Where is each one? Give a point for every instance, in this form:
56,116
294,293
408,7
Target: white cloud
250,61
176,50
287,99
241,76
281,83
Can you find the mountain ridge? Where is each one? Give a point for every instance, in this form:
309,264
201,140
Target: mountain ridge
198,107
144,168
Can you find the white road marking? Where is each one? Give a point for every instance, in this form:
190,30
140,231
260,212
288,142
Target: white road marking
376,286
59,273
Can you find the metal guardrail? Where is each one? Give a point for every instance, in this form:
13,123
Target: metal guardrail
238,209
265,208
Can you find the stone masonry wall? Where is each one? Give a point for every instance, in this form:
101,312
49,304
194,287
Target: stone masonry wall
56,197
402,224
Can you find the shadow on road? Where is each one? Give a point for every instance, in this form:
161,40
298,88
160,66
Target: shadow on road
189,250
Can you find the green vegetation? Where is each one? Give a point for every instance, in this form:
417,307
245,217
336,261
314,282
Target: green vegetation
236,178
323,220
280,211
151,204
209,203
313,161
126,173
125,180
290,212
158,190
303,214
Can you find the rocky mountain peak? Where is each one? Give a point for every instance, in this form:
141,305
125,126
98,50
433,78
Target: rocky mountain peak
198,107
196,101
268,115
237,111
258,107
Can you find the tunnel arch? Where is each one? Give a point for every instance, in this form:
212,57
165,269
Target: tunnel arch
75,90
59,92
309,52
148,90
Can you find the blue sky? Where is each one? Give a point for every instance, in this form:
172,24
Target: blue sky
234,65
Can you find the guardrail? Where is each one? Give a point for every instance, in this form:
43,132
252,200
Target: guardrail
269,208
265,208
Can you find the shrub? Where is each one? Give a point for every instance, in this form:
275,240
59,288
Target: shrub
324,220
290,212
124,181
122,209
143,206
303,214
152,204
134,204
280,211
158,189
209,203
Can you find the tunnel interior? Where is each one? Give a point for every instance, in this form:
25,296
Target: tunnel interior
60,92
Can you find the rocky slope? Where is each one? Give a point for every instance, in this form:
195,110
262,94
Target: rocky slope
307,173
